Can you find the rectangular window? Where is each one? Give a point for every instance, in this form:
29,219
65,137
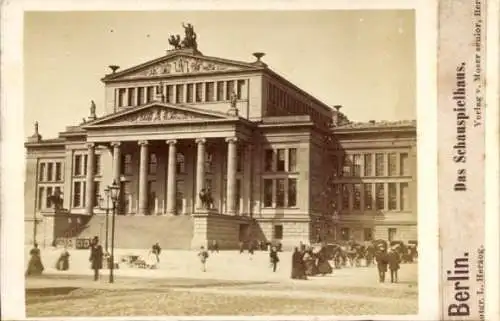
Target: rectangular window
238,195
179,94
292,192
393,205
404,164
131,96
292,160
209,91
345,234
50,171
280,193
356,165
127,164
77,169
239,88
368,234
48,200
368,196
209,162
85,161
153,164
199,92
380,196
220,91
229,89
40,198
280,166
356,205
345,196
379,165
347,165
97,164
335,166
122,93
77,196
41,173
268,192
180,163
58,171
391,234
268,160
140,95
405,196
393,164
97,191
149,94
240,156
189,93
170,93
278,232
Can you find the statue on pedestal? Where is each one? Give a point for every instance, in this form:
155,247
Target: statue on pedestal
189,41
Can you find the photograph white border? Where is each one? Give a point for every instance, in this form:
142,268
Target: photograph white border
13,153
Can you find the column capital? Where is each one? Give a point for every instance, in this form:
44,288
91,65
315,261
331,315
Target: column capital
90,145
115,144
171,142
231,139
200,140
142,142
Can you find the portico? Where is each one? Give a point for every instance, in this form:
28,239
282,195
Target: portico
163,164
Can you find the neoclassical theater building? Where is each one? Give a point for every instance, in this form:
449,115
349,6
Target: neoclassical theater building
278,164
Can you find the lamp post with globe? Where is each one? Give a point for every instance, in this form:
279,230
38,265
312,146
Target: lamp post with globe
114,191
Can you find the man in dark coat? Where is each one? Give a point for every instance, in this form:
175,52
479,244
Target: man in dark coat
381,258
273,256
298,268
393,260
96,255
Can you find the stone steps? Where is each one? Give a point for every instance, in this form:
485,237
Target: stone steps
132,232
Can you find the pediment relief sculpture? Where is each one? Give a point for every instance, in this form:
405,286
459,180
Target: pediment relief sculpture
158,115
181,65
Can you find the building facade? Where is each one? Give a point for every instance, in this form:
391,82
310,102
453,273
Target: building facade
278,164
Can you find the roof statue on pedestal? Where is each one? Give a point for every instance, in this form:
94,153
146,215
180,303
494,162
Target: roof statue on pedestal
36,129
189,41
233,100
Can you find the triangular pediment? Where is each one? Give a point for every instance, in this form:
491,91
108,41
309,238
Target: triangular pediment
180,64
156,113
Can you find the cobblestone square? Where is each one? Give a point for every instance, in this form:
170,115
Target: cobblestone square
235,284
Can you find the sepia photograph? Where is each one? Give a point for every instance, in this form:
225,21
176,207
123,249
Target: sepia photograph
220,163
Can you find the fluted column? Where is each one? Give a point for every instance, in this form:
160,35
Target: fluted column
200,170
89,189
231,176
116,161
143,178
171,179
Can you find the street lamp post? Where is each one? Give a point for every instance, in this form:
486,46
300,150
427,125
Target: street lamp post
106,191
114,191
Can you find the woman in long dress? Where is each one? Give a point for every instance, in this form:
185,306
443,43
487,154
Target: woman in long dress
35,266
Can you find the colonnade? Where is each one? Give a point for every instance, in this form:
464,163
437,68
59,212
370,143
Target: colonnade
171,174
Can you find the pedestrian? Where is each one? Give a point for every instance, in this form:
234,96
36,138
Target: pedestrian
242,247
394,261
63,261
156,251
35,266
251,249
273,256
203,255
215,246
96,255
381,258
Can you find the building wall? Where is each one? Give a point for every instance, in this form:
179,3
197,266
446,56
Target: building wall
249,105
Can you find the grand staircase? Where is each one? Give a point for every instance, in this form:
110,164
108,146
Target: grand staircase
141,232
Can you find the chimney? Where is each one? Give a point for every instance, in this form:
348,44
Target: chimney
336,115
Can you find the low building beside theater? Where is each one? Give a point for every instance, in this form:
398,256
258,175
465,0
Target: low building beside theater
276,163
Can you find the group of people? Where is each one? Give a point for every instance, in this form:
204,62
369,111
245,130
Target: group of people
35,265
310,262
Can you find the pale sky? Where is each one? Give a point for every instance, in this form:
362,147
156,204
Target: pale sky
364,60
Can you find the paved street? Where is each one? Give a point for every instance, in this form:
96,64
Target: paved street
233,284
